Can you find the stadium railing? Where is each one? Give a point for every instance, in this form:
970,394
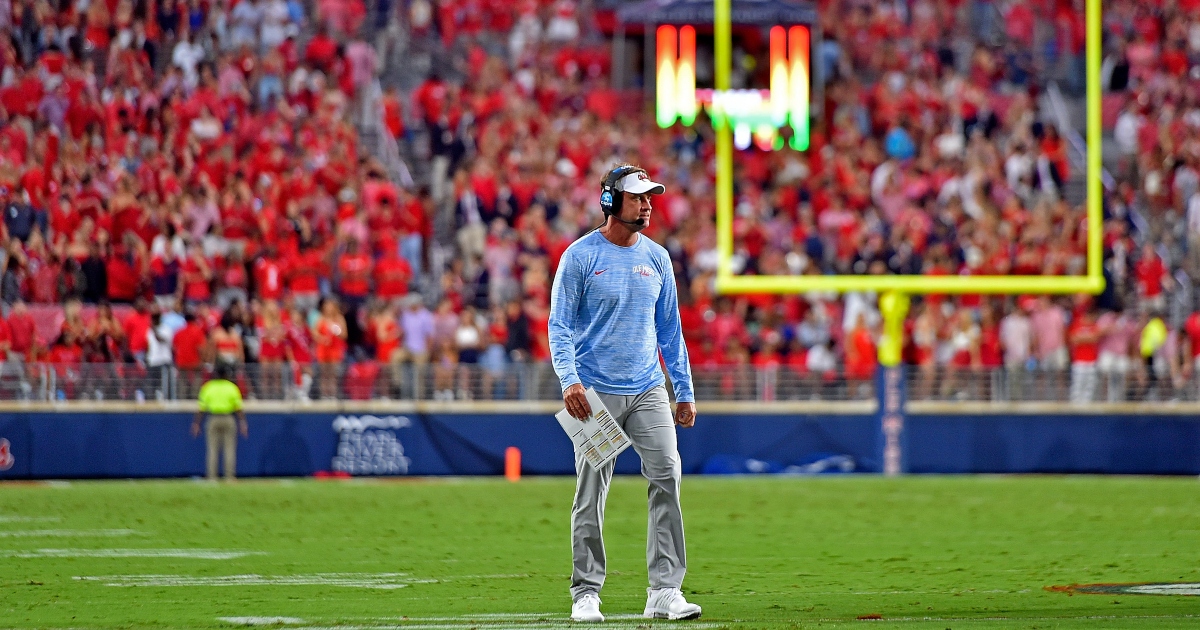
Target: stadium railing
373,381
537,382
1087,385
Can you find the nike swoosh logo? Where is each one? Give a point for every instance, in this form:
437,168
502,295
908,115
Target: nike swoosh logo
601,271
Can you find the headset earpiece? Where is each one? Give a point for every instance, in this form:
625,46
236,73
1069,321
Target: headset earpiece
611,199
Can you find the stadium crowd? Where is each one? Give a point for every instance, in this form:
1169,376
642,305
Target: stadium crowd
182,184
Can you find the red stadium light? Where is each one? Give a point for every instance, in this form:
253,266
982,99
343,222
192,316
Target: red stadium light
755,115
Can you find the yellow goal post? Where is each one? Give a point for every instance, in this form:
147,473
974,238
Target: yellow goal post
1091,282
902,285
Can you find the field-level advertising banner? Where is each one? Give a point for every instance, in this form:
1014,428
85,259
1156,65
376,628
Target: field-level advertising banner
6,457
92,445
369,445
889,381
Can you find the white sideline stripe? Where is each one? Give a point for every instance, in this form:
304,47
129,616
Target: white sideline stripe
494,618
515,625
197,554
497,576
29,519
482,617
68,533
261,621
504,616
953,619
351,580
1165,589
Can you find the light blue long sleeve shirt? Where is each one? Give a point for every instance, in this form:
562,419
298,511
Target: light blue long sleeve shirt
612,310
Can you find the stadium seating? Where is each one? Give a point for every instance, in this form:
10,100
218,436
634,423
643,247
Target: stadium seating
226,167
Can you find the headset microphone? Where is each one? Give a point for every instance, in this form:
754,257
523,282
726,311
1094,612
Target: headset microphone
611,196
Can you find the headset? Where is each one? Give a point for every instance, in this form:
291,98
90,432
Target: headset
611,199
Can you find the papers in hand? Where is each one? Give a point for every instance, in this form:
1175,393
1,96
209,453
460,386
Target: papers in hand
598,437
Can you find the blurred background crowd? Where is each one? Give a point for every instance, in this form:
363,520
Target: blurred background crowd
349,199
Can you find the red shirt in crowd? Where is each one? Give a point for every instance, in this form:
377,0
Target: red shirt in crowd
64,221
991,353
187,344
238,222
195,285
305,271
1192,328
392,274
1085,340
64,354
431,97
299,342
860,354
392,115
268,277
21,332
321,50
124,278
386,346
1150,273
355,272
136,325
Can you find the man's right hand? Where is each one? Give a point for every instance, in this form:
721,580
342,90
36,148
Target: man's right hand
576,402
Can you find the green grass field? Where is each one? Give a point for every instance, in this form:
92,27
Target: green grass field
457,554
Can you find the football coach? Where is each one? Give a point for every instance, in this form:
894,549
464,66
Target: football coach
613,309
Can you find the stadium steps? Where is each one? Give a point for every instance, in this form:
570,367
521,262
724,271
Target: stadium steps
1069,114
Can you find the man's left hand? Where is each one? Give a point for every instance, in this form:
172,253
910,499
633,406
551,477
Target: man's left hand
685,414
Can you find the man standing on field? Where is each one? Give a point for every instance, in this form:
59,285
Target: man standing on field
613,309
221,400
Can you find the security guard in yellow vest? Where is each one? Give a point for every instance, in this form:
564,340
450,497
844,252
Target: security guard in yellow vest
221,400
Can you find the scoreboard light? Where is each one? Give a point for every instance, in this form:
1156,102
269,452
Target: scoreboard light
754,115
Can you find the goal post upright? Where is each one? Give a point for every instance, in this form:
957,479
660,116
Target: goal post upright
722,47
1093,40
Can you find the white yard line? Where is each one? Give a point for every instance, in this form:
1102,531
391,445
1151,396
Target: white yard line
495,621
514,625
385,581
492,616
29,519
261,621
497,576
1161,589
196,554
68,533
1014,618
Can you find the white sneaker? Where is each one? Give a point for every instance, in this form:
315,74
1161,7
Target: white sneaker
668,603
587,608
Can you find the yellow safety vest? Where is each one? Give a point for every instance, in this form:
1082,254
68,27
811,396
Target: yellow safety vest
220,397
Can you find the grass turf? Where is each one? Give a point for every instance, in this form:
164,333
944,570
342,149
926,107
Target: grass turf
921,552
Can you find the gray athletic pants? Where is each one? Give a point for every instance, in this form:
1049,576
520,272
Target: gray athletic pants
646,417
